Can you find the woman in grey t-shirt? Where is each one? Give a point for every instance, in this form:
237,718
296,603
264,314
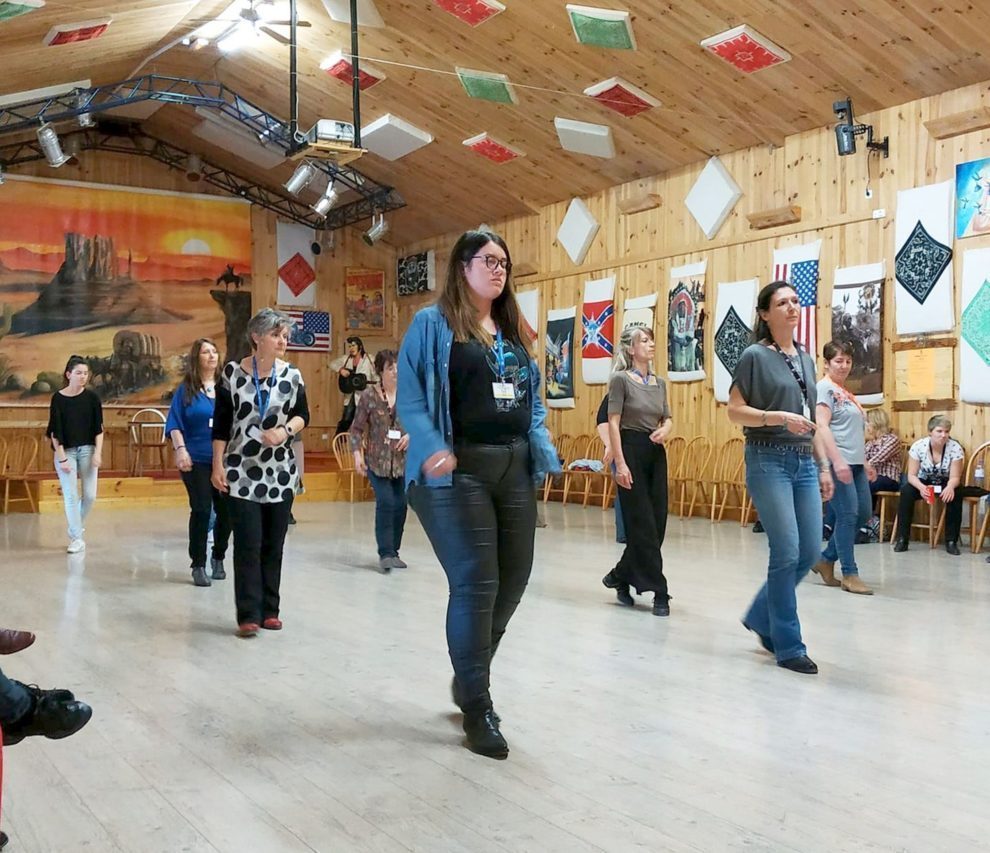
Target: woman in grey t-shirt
639,423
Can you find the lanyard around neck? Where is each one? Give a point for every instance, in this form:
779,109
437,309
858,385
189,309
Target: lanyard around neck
262,403
645,379
499,351
797,374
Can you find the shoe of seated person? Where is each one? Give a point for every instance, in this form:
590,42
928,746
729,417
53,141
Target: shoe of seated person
12,642
901,545
952,547
758,526
52,715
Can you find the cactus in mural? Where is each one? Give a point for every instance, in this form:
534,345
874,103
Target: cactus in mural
8,319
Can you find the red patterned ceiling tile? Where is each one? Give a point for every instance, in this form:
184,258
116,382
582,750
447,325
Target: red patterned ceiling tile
492,148
472,12
340,67
746,49
623,97
78,32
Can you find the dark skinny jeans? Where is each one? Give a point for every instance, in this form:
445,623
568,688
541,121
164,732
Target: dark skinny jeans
390,513
202,499
259,535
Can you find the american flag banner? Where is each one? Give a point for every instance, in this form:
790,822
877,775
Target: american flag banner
310,331
799,266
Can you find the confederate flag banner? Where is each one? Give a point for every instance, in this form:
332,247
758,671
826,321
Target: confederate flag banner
598,331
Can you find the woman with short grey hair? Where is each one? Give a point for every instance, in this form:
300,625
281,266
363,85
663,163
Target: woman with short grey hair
261,405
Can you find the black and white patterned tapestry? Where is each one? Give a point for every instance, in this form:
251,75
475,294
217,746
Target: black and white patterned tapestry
734,309
416,273
923,259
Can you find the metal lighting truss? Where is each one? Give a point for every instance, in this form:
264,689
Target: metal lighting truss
239,112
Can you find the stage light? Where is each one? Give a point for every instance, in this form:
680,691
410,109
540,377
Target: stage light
85,119
48,140
73,149
326,201
194,168
301,177
378,229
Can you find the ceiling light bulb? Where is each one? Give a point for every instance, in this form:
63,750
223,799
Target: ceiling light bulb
304,173
48,140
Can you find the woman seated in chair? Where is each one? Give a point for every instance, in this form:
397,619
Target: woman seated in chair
883,452
934,471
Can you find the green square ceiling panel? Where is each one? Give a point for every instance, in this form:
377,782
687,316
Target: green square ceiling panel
18,7
608,28
487,86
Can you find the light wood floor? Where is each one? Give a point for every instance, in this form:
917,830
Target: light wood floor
628,732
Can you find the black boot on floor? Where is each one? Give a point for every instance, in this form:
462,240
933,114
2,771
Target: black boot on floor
483,736
623,596
802,664
3,840
900,545
454,697
199,576
952,547
216,568
661,605
758,526
51,715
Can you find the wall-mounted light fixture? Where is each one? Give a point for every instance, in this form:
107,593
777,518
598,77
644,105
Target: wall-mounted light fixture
847,130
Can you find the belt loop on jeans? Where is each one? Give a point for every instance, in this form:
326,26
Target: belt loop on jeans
777,445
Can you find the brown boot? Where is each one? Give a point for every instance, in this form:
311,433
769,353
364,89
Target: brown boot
14,641
852,583
827,571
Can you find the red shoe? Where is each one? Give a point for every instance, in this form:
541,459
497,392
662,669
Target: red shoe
272,623
12,642
247,629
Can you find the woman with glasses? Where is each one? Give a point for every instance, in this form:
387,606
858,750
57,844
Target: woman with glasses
75,430
469,397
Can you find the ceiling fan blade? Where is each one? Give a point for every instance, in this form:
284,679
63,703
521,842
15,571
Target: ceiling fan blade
288,23
277,36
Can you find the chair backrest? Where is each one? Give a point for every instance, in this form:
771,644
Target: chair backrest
695,459
727,460
147,427
20,455
675,453
342,451
563,444
3,454
594,447
978,458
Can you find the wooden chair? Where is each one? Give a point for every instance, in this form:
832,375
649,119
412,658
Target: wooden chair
146,431
724,478
345,461
18,461
693,464
555,483
675,453
884,497
581,448
979,457
596,450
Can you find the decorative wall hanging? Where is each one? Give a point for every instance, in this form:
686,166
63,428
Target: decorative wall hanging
559,366
472,12
310,331
487,86
734,311
296,265
529,307
608,28
392,138
923,260
74,33
924,375
745,49
13,8
597,331
974,352
973,198
416,273
364,298
492,148
128,279
639,310
686,323
341,68
857,319
799,266
712,197
582,137
619,95
577,230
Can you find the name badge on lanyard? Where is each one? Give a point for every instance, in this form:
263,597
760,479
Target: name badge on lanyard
502,390
394,434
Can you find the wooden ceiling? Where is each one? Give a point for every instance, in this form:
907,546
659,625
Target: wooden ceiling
879,52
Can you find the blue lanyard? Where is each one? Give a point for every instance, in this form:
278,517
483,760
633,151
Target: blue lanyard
499,350
646,379
262,405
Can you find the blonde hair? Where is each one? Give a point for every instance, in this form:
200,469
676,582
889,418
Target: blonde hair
627,339
939,421
879,420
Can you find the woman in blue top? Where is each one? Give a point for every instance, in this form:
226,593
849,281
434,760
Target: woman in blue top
190,426
468,396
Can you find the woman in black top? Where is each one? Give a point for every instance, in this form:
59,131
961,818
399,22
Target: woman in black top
75,429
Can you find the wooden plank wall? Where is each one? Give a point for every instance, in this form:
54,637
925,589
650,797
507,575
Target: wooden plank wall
350,250
640,249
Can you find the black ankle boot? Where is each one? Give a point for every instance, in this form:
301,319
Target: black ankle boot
483,736
54,714
952,547
661,605
456,699
901,545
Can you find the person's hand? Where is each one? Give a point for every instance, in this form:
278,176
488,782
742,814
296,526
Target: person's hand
844,473
402,443
658,436
440,464
607,456
623,476
827,485
97,459
345,371
65,466
796,424
360,465
871,472
219,479
183,461
948,494
274,436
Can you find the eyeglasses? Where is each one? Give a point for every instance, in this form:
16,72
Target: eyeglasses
494,263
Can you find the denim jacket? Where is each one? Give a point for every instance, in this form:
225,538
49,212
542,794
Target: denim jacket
423,400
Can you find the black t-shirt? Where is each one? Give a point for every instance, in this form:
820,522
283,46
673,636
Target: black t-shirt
477,416
75,421
602,416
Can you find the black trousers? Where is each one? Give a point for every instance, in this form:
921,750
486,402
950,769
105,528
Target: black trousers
259,534
905,510
482,530
202,499
644,512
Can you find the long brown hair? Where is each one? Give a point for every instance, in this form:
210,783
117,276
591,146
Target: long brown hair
455,301
761,329
192,382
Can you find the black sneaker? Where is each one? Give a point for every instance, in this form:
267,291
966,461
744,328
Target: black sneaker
216,569
483,736
661,605
758,526
901,545
52,715
802,664
623,596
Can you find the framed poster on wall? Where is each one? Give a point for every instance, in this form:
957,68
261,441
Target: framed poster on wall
364,298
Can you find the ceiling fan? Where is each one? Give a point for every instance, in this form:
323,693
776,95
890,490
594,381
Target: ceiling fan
251,18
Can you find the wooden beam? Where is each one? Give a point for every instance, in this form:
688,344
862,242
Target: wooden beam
923,343
945,127
523,269
639,203
942,405
775,216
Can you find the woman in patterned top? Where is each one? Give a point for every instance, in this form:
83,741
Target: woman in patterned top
261,405
379,447
934,470
883,452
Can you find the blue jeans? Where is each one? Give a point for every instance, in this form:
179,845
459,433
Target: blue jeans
15,701
390,513
784,486
81,468
851,506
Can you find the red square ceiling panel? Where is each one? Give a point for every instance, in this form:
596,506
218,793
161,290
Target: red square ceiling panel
472,12
75,33
746,49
